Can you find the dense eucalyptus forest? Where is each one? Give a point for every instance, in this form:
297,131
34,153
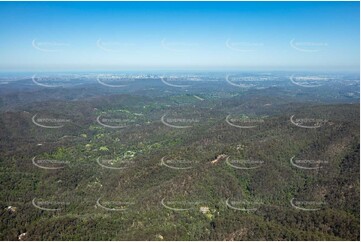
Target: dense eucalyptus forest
201,156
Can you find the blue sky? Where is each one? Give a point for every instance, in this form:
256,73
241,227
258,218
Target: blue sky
179,35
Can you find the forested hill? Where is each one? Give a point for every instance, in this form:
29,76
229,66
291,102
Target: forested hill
179,165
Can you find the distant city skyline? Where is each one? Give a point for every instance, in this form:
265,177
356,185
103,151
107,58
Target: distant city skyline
51,36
